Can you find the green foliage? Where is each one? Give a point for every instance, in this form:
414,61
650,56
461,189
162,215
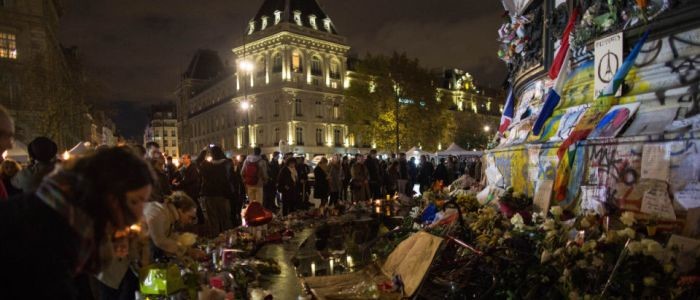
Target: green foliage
371,104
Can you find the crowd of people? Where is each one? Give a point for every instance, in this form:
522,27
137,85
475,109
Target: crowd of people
83,227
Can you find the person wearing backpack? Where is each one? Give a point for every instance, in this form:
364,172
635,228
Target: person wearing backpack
254,173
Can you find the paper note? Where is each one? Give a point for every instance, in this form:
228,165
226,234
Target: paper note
689,197
656,161
543,195
593,199
494,176
687,248
656,203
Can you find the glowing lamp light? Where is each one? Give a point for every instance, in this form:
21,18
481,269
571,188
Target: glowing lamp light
348,260
209,158
135,228
4,155
65,155
246,66
176,162
245,105
487,128
313,269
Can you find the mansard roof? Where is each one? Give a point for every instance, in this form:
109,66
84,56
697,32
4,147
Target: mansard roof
288,9
205,65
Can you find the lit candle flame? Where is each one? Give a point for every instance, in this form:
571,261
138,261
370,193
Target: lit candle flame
66,155
313,269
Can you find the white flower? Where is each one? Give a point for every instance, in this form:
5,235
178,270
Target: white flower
627,232
635,247
556,211
517,221
549,225
649,281
653,248
545,257
187,239
628,218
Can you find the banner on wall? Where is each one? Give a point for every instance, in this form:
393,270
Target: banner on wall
608,59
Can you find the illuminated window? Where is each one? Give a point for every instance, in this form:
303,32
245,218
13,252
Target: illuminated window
335,70
316,69
297,63
297,17
319,137
277,63
312,21
278,17
372,86
327,24
8,45
300,136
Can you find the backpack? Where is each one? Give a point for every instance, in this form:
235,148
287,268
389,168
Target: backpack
250,174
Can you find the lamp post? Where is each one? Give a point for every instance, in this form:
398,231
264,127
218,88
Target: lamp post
247,68
397,92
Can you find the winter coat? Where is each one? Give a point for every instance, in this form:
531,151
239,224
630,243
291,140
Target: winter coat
217,179
262,168
321,188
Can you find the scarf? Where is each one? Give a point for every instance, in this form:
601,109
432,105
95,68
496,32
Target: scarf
55,192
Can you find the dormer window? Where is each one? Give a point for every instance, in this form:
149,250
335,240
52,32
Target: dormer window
312,21
278,17
327,24
297,17
251,27
264,23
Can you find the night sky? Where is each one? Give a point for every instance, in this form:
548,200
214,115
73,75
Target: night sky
137,48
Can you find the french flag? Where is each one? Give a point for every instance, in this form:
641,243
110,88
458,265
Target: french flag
559,71
508,112
627,65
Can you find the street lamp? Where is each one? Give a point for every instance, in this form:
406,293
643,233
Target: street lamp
247,68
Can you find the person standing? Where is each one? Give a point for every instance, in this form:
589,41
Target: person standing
190,182
254,173
161,188
441,172
219,202
403,180
7,136
392,175
335,180
345,166
360,181
42,152
287,186
303,185
271,185
425,174
374,172
321,188
412,175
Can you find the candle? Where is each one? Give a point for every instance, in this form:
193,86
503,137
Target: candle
348,259
313,269
377,209
331,264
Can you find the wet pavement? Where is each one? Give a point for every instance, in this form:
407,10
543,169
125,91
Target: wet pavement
285,285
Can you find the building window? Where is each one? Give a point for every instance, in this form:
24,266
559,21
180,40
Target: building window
251,27
259,138
337,138
297,107
319,109
264,23
297,63
316,66
277,136
156,133
319,137
278,17
165,143
327,24
297,17
336,111
8,45
277,63
172,132
261,68
300,136
335,70
312,21
277,107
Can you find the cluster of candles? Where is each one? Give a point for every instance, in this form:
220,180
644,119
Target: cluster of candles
332,263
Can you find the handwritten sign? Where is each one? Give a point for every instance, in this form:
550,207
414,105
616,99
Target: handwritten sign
543,195
608,59
656,203
689,197
656,161
593,199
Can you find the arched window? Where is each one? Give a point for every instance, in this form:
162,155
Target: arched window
337,138
335,70
297,63
300,136
316,69
277,63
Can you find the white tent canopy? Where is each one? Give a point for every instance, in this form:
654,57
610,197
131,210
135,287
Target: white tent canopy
415,152
455,150
18,152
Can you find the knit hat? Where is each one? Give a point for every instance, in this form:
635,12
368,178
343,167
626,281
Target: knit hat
42,149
